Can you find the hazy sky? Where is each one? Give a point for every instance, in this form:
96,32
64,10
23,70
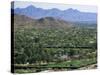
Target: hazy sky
84,8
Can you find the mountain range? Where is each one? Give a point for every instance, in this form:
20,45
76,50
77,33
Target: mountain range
71,15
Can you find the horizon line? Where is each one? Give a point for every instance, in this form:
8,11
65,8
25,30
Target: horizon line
62,7
51,8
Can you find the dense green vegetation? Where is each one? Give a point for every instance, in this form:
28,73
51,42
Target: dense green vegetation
64,65
68,47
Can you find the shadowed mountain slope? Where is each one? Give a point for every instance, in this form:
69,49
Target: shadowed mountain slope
47,22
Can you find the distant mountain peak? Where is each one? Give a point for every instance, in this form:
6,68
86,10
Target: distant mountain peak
31,6
71,10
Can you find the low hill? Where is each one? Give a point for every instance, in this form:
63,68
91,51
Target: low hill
47,22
